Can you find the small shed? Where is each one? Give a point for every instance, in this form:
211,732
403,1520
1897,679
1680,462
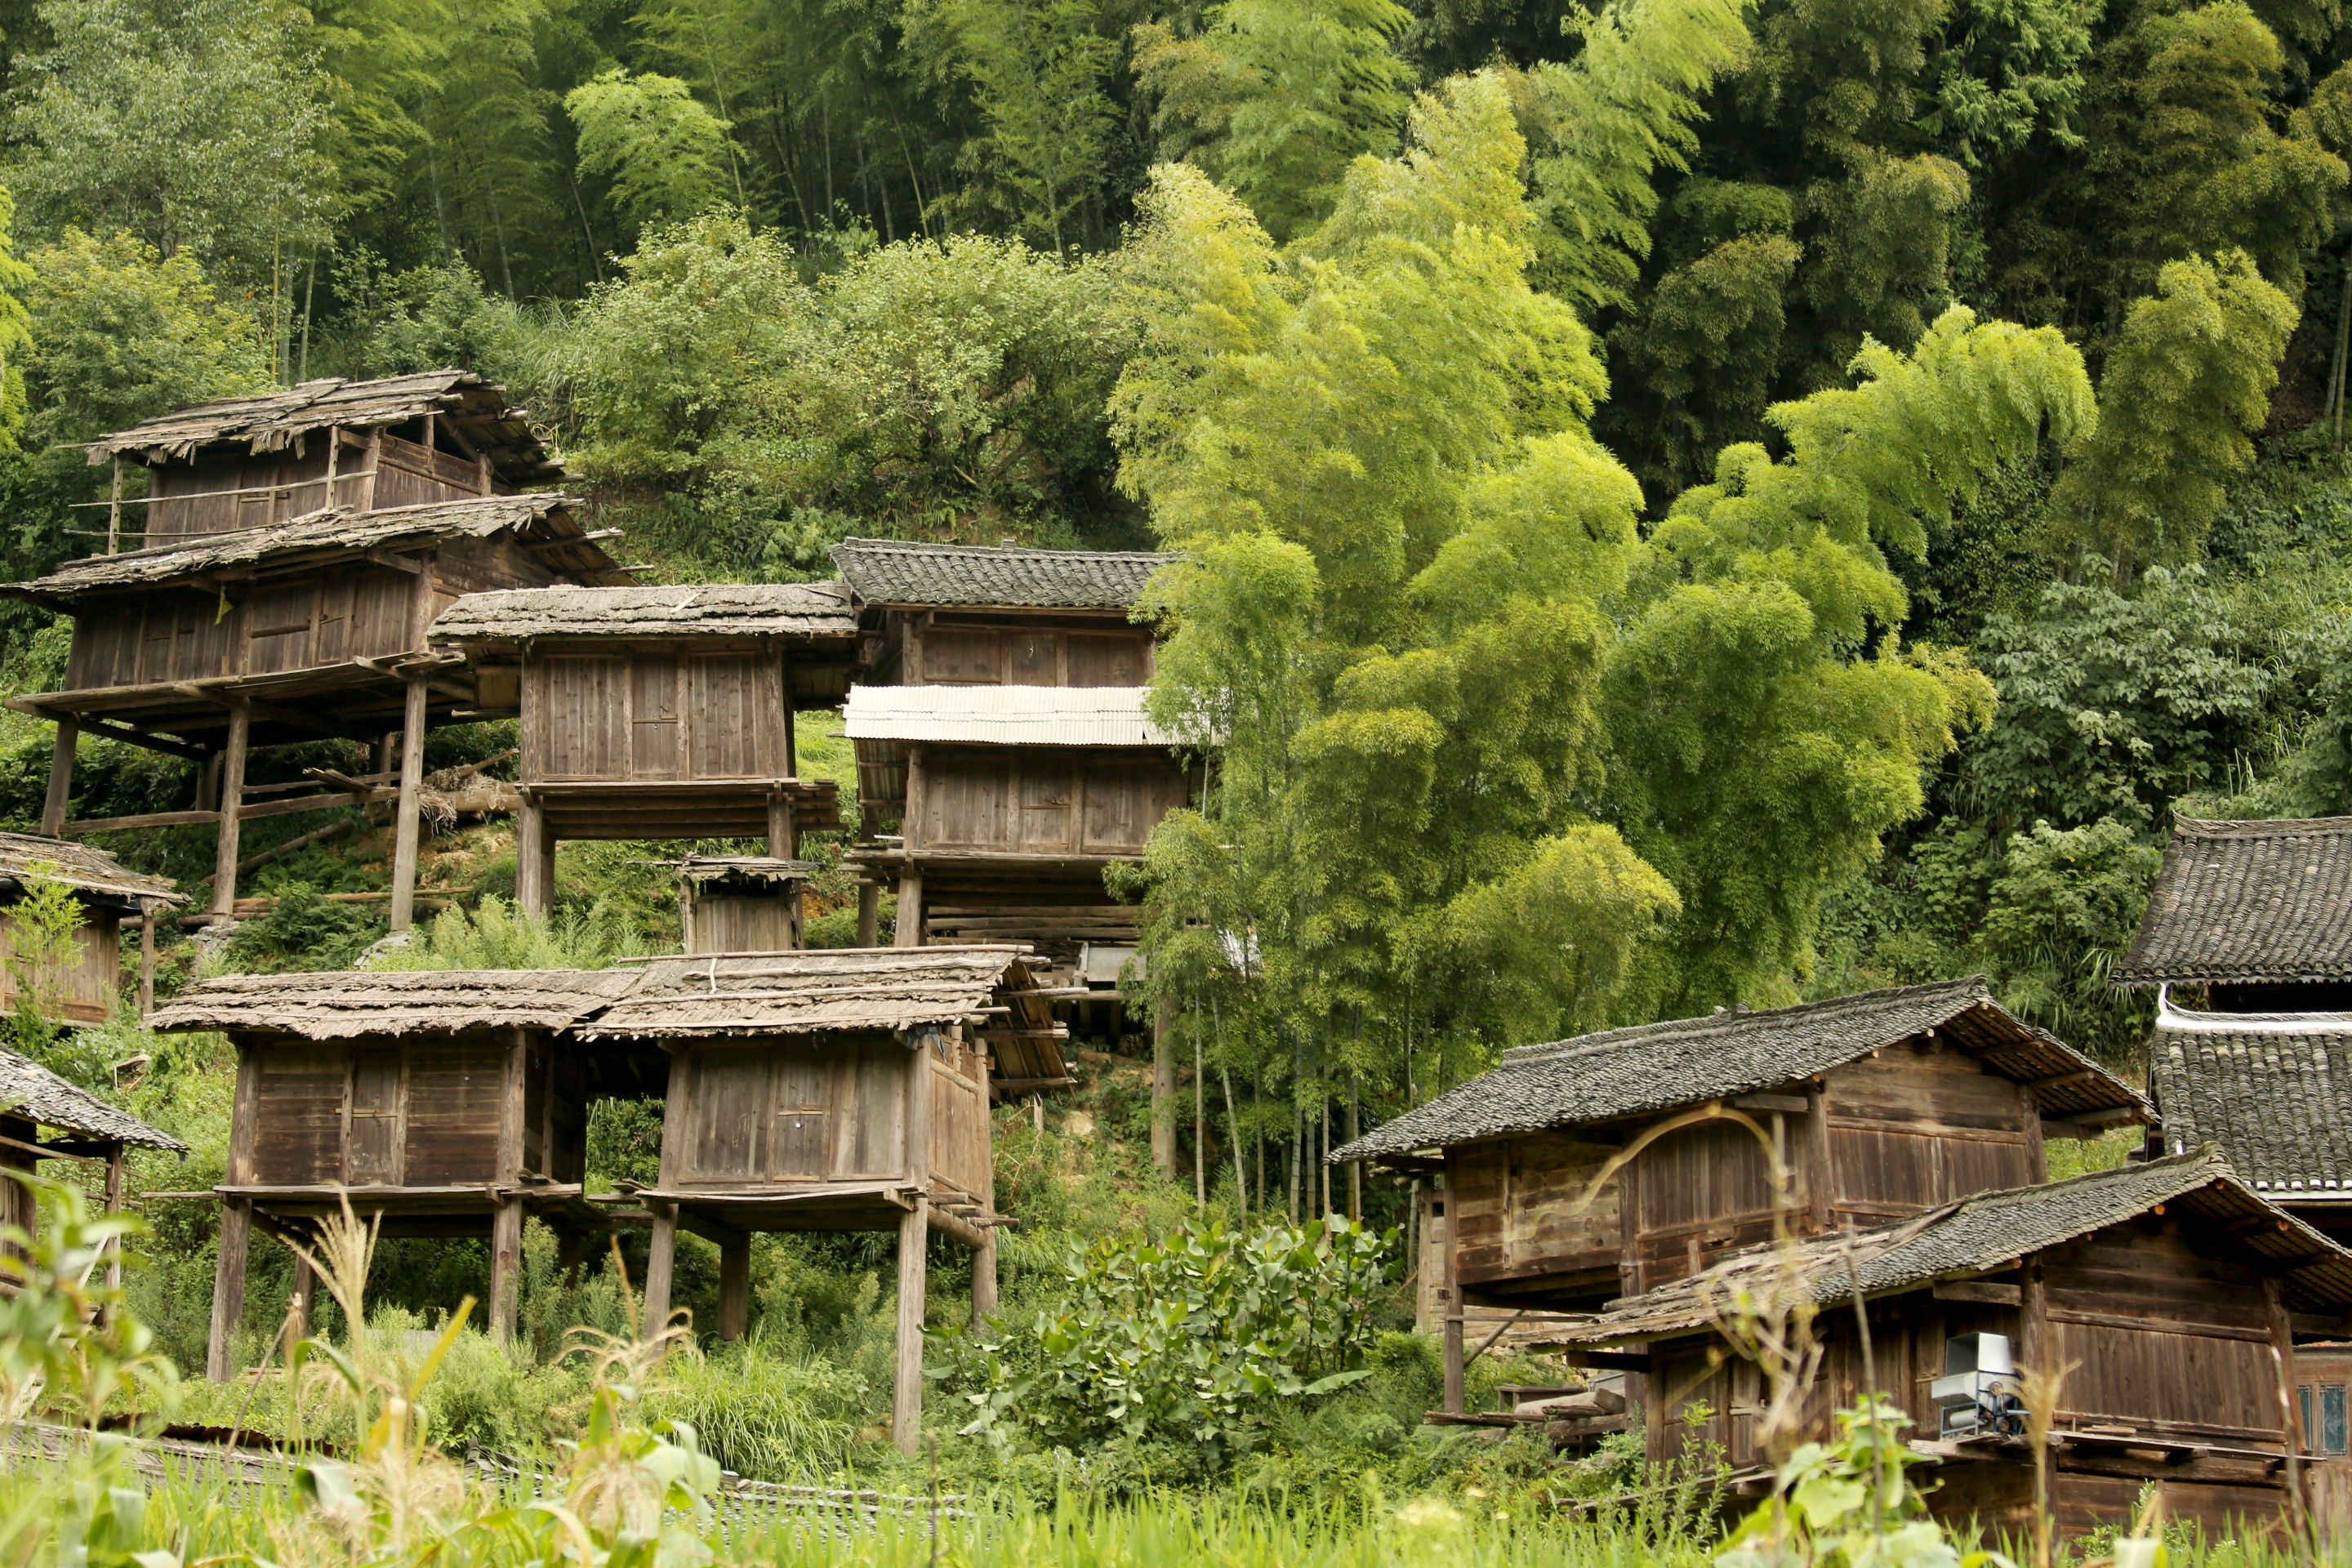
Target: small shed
656,712
740,903
32,1098
2165,1297
1577,1172
109,893
2258,914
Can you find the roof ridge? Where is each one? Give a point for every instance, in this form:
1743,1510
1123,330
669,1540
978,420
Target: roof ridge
926,546
1602,1040
2259,827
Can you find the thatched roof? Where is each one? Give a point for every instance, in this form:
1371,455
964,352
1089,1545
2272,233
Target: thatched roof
1653,1068
2240,901
899,571
31,1090
82,867
319,537
349,1004
2274,1090
275,421
1988,1233
1003,715
800,610
803,992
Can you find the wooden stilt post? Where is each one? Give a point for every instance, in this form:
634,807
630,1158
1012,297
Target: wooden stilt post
869,914
907,1398
910,911
114,512
983,1282
506,1224
232,803
783,827
409,826
735,1285
299,1303
114,1206
1456,1398
661,1256
534,858
228,1289
146,965
62,772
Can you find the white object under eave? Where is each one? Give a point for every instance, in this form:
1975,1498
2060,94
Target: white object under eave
1005,715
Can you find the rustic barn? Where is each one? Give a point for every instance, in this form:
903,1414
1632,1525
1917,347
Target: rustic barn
109,894
2163,1296
292,545
657,712
740,903
1607,1165
93,1132
2258,915
845,1090
444,1103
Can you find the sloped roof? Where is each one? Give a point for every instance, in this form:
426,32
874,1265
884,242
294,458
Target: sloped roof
1987,1233
2274,1091
899,571
1003,715
349,1003
710,609
750,868
273,421
83,867
34,1092
2248,901
799,992
319,536
1653,1068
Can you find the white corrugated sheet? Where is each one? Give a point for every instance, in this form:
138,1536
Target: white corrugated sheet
1005,715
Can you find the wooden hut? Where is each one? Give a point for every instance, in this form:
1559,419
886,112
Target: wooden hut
2165,1297
109,894
448,1104
1576,1173
656,712
740,903
293,547
1000,715
2257,916
82,1128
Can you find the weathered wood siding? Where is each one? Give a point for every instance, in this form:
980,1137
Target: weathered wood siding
644,714
1041,801
409,474
960,1125
1921,1123
742,923
751,1113
86,989
418,1113
339,613
1524,1208
968,650
281,486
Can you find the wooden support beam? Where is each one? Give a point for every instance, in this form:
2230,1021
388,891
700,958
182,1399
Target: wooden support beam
955,1227
907,1390
300,1300
228,1289
983,1280
735,1286
591,537
910,911
661,1257
61,770
1983,1292
408,829
1456,1400
2290,1407
146,965
505,1270
106,730
869,914
505,1225
534,859
232,801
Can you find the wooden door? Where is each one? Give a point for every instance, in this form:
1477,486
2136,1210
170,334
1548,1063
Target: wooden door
278,627
652,718
579,722
802,1148
1046,813
724,728
728,1100
372,1140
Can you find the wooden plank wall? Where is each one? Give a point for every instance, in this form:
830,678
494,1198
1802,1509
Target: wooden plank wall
1518,1208
1042,801
742,923
85,992
959,1148
338,613
1703,1190
417,1113
638,714
1920,1123
986,651
763,1112
407,475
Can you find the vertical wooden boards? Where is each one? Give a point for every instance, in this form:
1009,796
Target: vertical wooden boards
228,1289
653,727
581,716
969,651
374,1137
726,718
804,1118
455,1091
1041,800
869,914
742,923
1455,1395
1044,789
870,1097
1920,1123
727,1094
1524,1208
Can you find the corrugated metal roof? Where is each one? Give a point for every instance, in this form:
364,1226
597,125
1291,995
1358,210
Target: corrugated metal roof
1005,715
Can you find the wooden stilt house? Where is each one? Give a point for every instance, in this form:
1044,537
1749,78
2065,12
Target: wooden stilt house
843,1090
656,712
1618,1163
83,1129
2165,1299
740,903
289,553
109,895
1000,716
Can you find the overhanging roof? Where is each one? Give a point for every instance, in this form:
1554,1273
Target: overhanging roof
32,1091
82,867
907,572
2274,1091
2248,901
798,610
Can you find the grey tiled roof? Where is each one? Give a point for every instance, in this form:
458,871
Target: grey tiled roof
1988,1233
31,1090
2248,901
83,867
898,572
2277,1100
1657,1067
709,609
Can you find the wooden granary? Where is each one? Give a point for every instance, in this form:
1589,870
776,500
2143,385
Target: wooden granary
109,894
2165,1299
656,712
1000,715
294,548
740,903
82,1128
838,1091
1618,1163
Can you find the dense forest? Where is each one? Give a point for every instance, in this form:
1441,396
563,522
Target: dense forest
1684,504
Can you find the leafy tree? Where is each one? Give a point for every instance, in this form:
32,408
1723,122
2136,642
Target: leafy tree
2185,386
661,151
2064,909
2007,72
15,327
1275,100
1036,70
42,935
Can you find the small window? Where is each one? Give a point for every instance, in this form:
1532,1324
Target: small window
2303,1405
2332,1433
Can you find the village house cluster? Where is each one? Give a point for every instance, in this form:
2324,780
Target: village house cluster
365,562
